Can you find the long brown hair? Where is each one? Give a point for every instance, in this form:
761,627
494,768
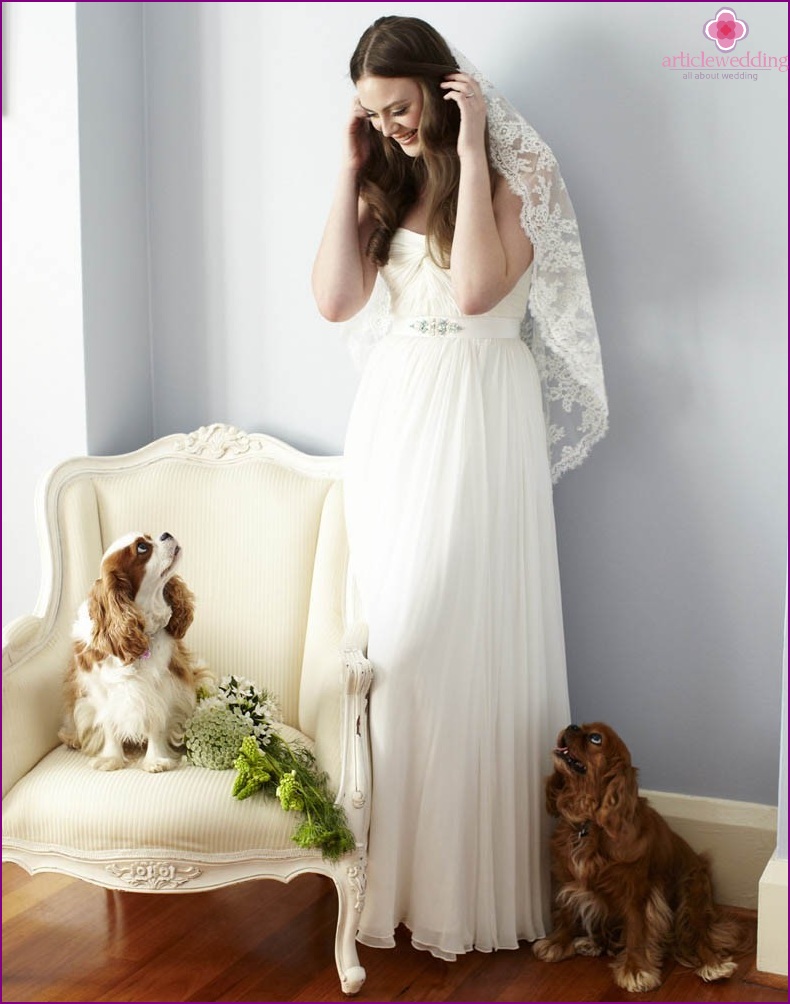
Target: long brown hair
391,181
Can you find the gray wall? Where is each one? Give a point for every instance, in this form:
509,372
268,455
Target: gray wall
672,536
114,218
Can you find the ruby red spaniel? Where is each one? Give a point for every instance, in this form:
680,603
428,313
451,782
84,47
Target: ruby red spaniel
132,682
628,885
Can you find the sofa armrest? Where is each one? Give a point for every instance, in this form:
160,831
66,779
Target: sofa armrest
355,638
356,771
33,670
19,637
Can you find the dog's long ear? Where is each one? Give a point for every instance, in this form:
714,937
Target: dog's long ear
618,805
182,604
555,784
118,624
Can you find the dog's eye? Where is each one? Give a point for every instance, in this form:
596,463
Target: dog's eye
595,738
142,547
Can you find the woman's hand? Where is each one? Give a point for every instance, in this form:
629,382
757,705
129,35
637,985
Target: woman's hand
357,138
466,92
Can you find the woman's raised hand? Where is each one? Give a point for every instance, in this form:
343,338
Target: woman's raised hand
465,91
357,137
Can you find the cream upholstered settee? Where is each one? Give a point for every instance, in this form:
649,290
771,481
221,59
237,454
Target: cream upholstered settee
264,550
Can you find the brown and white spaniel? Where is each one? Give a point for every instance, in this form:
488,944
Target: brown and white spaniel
628,885
132,682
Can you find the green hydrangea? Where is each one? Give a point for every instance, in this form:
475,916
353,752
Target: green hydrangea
214,735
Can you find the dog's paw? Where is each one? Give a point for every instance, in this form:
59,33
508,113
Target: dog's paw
157,764
635,981
69,738
549,950
587,947
722,970
108,763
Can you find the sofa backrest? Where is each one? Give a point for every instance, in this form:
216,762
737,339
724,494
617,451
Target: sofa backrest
248,520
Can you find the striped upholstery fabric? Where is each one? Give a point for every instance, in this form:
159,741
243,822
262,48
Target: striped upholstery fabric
65,804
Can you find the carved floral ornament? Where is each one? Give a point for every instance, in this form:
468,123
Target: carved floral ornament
153,875
216,441
358,880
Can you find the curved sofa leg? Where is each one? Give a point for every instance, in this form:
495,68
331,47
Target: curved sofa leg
350,881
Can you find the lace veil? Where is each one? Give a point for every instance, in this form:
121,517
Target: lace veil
559,325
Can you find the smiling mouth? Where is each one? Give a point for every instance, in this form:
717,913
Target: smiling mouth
565,754
406,138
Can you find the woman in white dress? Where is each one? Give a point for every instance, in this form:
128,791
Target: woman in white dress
449,483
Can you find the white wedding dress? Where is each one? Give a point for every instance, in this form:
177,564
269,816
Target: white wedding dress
451,527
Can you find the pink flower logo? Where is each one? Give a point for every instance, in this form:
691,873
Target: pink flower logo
726,30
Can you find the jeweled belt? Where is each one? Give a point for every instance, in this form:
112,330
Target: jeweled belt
457,327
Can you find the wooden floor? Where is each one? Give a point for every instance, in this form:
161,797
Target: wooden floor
65,940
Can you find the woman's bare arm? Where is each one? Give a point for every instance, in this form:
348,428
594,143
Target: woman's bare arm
343,276
490,251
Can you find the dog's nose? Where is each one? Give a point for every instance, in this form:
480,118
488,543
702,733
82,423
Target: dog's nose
573,728
166,536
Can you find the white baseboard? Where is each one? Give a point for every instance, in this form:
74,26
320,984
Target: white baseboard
740,838
772,918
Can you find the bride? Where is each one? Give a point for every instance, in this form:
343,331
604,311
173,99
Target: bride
452,227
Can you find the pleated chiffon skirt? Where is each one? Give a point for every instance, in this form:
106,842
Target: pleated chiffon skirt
451,526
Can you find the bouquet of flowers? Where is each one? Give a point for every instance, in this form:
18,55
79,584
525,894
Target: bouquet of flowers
237,727
223,718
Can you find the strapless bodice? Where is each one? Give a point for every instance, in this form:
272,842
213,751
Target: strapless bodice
419,287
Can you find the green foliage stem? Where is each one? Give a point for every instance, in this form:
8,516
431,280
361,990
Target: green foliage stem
289,772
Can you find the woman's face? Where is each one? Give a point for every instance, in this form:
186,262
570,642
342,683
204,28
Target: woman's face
394,107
